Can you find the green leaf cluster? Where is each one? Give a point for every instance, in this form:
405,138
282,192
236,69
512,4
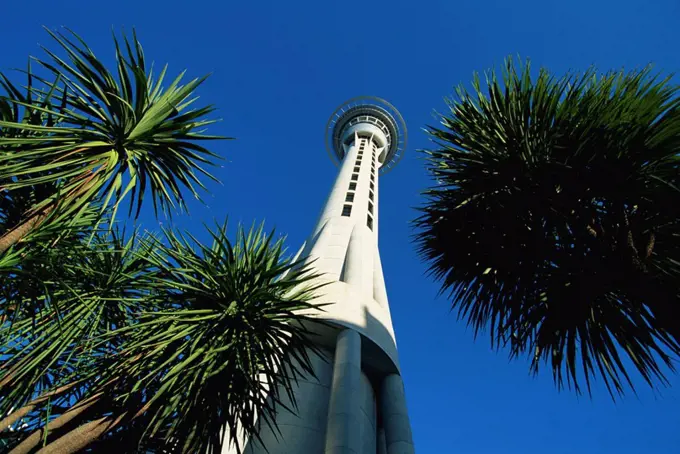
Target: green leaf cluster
553,221
149,342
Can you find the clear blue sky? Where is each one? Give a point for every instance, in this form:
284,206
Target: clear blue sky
280,68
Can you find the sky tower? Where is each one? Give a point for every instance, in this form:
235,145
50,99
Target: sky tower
357,405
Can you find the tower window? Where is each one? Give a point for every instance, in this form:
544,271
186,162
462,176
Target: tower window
356,169
372,186
370,205
355,177
350,197
370,195
369,221
347,210
352,186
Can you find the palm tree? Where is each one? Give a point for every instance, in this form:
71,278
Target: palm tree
154,343
98,136
157,340
554,221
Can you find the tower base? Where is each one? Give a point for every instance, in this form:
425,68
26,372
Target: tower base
341,411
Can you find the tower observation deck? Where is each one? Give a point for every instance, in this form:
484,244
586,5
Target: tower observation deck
356,405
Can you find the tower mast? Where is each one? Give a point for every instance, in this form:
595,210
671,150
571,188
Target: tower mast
356,405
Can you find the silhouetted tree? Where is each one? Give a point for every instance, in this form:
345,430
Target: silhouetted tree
553,220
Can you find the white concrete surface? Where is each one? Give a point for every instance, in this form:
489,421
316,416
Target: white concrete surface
343,430
395,421
345,249
338,413
305,430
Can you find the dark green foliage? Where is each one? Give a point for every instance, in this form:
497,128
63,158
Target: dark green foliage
554,220
172,342
228,342
102,134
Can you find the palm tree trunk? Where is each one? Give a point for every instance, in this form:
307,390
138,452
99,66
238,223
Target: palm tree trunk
81,437
79,410
23,411
15,235
7,314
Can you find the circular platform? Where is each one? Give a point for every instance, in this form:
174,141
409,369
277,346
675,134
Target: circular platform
374,111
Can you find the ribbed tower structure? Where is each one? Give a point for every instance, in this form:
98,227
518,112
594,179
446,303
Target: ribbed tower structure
357,403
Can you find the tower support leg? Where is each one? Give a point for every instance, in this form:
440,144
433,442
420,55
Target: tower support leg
344,409
382,444
398,438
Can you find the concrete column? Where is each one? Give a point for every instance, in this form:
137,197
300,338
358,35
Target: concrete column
398,436
382,444
344,408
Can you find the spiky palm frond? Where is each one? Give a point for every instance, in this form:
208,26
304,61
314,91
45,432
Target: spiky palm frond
102,133
19,216
37,258
229,344
64,300
172,339
554,219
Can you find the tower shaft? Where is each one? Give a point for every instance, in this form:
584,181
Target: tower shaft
356,404
344,242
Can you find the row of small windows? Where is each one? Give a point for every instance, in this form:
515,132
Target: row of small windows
371,119
373,168
369,216
349,197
